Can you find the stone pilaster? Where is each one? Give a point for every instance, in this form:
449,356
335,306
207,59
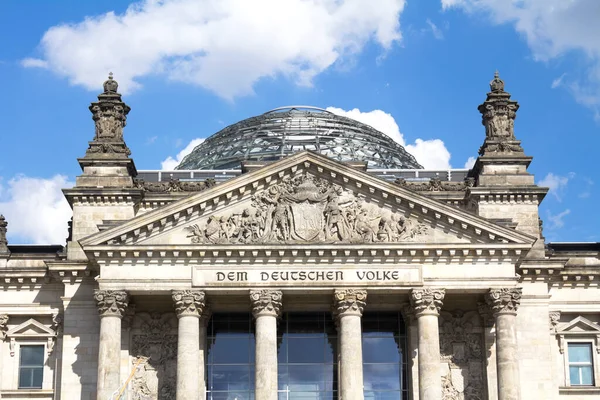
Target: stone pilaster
266,308
489,341
189,306
348,309
427,304
504,304
111,307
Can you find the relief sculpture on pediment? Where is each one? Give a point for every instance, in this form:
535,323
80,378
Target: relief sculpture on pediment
305,209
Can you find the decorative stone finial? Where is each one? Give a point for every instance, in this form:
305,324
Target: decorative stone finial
110,116
504,300
111,303
427,301
498,113
3,240
110,85
497,84
349,301
266,302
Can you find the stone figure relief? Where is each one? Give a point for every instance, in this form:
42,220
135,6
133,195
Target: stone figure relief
306,209
174,185
3,325
462,356
154,346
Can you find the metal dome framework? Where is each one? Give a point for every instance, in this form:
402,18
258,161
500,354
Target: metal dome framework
287,130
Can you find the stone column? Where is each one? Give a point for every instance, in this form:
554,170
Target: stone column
266,308
504,303
427,304
348,308
202,353
111,306
189,306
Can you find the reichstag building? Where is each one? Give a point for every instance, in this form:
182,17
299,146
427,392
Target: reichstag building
301,255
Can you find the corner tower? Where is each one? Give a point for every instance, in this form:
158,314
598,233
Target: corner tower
504,190
105,190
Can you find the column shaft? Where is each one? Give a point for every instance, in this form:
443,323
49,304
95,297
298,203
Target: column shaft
202,356
266,357
351,360
427,304
111,306
506,357
189,306
430,380
109,356
348,308
504,304
266,306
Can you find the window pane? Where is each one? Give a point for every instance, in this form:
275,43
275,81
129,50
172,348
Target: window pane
231,377
231,350
32,356
574,376
580,352
306,350
380,350
382,395
586,376
381,376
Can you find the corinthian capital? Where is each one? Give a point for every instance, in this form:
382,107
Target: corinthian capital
427,301
111,302
504,301
189,302
349,301
266,302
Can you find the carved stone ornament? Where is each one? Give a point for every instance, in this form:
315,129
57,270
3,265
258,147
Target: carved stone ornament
3,325
3,241
305,209
189,302
174,186
436,185
349,301
554,319
57,323
462,355
154,351
505,300
498,113
111,302
486,314
110,117
266,302
427,301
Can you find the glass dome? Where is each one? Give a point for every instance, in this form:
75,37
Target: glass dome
283,131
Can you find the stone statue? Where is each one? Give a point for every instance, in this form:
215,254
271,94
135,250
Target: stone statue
303,209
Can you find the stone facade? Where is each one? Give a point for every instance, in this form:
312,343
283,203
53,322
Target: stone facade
490,310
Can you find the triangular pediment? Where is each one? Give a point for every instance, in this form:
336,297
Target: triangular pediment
579,325
32,328
307,199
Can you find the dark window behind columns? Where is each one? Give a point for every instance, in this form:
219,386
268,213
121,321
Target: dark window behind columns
384,356
307,355
230,357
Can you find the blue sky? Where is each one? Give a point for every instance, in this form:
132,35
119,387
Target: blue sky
414,69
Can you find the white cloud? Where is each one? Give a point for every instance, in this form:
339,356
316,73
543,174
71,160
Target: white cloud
470,162
222,45
552,28
558,81
36,209
556,183
34,63
170,163
431,154
557,220
437,32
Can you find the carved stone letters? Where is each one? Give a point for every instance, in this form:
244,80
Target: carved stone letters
266,301
427,301
505,300
349,301
189,302
111,302
305,209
